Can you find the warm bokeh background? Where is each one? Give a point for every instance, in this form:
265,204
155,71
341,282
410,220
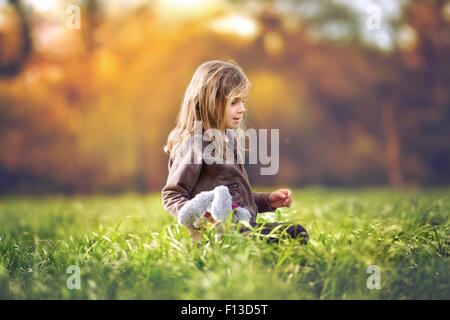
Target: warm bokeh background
89,110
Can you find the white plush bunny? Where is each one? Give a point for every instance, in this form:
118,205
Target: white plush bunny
218,202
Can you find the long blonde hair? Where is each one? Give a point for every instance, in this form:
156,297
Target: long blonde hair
214,85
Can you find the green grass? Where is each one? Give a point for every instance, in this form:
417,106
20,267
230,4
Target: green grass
128,247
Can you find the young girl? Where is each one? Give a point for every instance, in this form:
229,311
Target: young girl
215,99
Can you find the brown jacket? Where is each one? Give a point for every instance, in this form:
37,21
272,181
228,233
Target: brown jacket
186,180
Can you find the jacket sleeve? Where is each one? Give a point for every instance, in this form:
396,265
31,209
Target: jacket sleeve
262,201
183,176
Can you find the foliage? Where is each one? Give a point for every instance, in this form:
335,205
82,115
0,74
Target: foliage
127,247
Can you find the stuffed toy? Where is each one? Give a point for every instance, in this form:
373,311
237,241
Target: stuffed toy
216,203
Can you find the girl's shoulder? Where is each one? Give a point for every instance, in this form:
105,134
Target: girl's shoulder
189,151
196,149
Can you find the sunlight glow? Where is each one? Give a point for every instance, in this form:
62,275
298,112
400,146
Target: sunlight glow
2,16
177,8
235,24
43,5
407,38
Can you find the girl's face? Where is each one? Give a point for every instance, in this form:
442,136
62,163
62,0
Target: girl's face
235,112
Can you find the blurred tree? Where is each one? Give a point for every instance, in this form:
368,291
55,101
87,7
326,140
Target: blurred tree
96,117
16,40
419,82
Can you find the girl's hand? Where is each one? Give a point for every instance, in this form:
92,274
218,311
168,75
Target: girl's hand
280,198
196,235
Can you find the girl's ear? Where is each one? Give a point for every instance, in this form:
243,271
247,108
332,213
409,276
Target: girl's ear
197,110
197,107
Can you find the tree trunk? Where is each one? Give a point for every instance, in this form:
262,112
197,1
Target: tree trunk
393,147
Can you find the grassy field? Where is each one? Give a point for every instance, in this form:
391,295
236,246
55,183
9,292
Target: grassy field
128,247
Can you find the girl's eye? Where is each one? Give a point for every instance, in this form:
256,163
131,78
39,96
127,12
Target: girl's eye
234,102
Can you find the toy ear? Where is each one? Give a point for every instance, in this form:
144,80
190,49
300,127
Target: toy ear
221,204
242,214
193,210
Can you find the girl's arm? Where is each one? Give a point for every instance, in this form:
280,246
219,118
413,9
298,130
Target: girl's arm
272,200
183,176
262,201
